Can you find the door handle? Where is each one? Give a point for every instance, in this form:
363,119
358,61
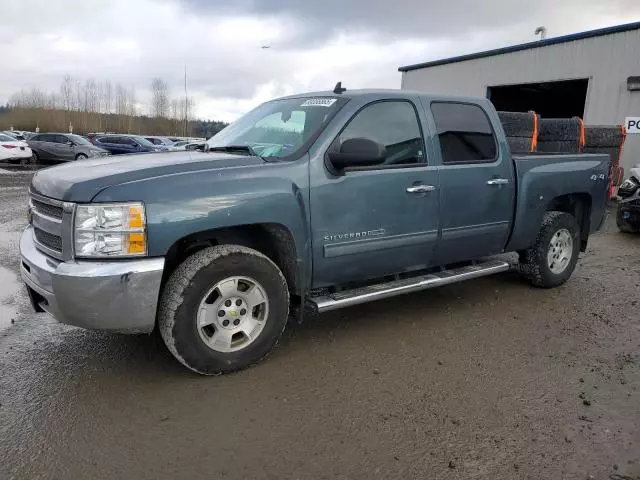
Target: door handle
497,181
420,189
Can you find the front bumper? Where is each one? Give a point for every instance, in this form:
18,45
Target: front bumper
118,295
629,212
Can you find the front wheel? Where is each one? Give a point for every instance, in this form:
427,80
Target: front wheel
81,156
224,308
552,259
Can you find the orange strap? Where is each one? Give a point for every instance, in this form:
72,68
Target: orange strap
534,138
623,130
582,139
624,137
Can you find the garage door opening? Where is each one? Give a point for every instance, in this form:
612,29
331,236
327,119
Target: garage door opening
562,99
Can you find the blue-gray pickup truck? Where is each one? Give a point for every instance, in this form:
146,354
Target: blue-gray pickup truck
307,203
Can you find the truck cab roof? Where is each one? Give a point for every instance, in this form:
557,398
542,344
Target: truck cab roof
373,94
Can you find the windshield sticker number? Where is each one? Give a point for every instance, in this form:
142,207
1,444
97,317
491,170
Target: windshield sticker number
319,102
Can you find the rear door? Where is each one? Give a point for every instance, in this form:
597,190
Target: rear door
379,220
110,143
477,191
43,145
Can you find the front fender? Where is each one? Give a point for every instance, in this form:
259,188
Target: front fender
186,203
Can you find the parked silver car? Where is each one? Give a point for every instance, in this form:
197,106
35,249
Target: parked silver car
63,147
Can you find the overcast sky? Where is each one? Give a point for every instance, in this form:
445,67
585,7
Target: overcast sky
313,43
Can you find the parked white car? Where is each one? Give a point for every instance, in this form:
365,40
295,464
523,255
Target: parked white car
13,150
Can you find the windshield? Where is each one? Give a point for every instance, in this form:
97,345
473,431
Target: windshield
78,140
279,128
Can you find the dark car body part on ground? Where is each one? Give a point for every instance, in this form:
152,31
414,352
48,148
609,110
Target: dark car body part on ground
63,147
349,198
628,197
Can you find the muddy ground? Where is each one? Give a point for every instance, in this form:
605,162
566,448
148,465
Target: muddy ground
487,379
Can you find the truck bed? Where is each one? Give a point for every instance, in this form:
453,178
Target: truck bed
542,177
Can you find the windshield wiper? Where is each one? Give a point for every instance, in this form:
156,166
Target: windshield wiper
236,148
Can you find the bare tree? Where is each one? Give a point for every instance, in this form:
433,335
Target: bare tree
121,105
91,105
159,98
107,98
66,92
132,109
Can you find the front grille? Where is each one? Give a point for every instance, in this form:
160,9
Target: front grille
46,209
49,240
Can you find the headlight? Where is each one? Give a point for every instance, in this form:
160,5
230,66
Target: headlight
110,230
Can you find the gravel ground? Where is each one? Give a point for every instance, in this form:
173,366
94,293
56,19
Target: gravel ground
487,379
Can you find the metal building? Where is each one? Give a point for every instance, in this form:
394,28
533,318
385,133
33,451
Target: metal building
594,75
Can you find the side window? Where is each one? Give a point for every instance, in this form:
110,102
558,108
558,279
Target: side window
61,139
112,140
393,124
46,138
37,138
464,132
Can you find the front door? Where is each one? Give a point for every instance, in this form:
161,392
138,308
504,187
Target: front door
380,220
477,191
63,150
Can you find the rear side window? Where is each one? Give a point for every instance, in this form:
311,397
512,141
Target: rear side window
113,140
464,132
393,124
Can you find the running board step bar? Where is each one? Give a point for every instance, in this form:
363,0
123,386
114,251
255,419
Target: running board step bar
348,298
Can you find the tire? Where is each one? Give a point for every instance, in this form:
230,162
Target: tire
623,225
183,299
534,262
81,156
517,124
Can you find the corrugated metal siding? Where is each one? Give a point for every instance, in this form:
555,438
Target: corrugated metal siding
607,61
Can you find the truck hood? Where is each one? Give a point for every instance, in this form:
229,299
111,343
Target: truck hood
81,181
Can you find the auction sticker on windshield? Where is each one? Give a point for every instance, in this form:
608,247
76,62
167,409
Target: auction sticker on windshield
319,102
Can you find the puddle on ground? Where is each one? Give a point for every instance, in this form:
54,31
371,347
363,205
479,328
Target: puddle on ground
10,290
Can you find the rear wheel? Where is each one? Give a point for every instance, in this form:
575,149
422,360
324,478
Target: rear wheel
551,261
223,309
